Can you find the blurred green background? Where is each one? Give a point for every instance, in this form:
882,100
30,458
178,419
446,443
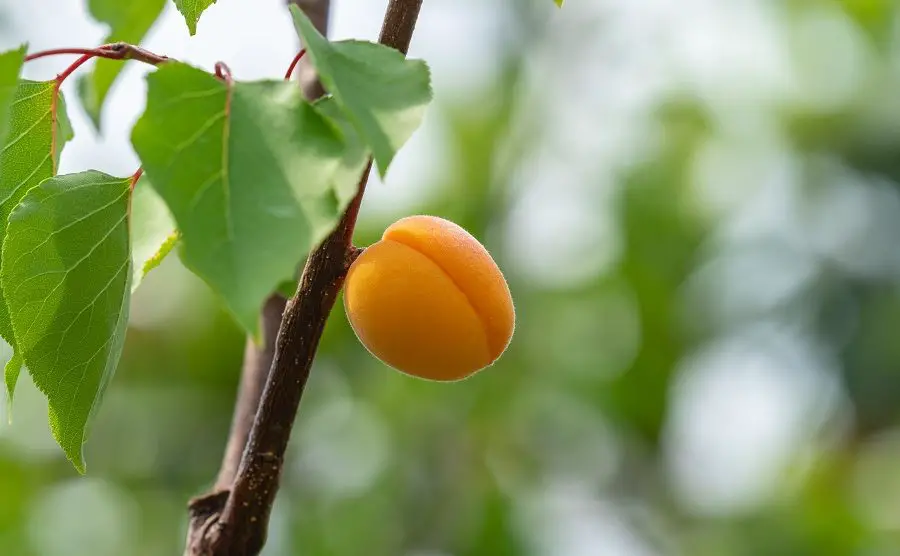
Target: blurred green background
697,206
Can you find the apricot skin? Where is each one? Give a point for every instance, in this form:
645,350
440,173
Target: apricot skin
429,301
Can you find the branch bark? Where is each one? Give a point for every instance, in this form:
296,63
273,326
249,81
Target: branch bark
234,521
257,362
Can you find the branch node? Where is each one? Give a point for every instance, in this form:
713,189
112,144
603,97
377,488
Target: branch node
223,72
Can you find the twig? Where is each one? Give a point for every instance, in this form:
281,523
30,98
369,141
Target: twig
125,51
112,51
241,528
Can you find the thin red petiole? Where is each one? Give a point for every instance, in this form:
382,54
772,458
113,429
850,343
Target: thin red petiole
136,177
55,101
62,51
112,51
294,63
71,69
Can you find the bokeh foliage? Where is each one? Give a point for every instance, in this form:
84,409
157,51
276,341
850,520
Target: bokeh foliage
707,283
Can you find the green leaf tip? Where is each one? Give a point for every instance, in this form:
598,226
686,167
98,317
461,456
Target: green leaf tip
383,93
191,10
559,3
11,372
67,245
253,175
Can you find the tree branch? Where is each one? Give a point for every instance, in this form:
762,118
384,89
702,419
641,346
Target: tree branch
257,362
234,522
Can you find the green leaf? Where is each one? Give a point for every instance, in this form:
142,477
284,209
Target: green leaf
253,174
66,273
384,94
559,3
10,67
152,231
191,10
128,22
28,157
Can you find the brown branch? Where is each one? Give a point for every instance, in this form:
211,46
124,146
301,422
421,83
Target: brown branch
204,510
257,362
241,527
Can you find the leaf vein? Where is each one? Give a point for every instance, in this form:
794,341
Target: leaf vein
90,305
26,180
69,225
73,267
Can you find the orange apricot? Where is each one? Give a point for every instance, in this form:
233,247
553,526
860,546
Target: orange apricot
429,301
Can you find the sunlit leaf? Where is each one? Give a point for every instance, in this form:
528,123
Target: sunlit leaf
29,155
128,22
253,175
152,231
384,94
66,272
10,67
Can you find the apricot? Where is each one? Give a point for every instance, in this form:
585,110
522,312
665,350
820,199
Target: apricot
429,300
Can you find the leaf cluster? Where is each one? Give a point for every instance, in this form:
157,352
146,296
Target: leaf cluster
242,179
